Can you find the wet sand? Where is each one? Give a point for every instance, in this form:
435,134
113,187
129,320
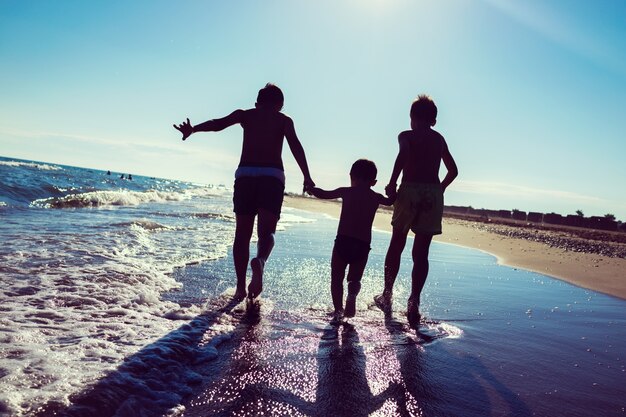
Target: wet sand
578,265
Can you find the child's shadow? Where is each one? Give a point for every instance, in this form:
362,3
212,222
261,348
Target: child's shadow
343,388
443,383
342,385
416,394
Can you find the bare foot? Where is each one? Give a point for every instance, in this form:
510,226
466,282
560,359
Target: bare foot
383,301
256,283
240,294
337,317
413,314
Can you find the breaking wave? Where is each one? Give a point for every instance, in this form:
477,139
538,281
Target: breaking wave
35,165
110,198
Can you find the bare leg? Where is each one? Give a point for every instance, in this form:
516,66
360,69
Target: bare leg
241,251
355,273
337,273
392,265
421,245
266,227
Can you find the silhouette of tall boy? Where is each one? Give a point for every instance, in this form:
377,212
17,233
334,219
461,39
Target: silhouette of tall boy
259,179
419,202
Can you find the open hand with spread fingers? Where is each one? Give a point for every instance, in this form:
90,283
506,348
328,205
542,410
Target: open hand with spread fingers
185,128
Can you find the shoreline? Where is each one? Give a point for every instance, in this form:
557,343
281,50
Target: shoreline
576,266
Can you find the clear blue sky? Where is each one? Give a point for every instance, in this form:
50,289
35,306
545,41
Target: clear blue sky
531,95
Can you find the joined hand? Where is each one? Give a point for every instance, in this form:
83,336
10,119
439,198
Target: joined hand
390,190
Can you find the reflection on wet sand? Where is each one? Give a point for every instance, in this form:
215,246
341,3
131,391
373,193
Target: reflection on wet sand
296,364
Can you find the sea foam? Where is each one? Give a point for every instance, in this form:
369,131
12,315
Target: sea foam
31,165
110,198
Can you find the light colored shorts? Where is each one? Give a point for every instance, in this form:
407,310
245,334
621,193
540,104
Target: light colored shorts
418,207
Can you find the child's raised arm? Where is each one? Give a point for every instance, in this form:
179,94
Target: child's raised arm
390,199
326,195
214,125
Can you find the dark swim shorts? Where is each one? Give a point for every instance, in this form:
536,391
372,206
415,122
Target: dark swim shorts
253,193
351,249
418,207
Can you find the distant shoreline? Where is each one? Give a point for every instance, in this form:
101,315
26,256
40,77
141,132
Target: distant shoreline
590,259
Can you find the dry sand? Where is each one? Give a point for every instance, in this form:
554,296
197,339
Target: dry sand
588,270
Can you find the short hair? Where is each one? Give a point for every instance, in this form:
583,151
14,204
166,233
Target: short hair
270,94
364,169
424,109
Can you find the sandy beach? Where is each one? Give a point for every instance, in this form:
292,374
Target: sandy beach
577,265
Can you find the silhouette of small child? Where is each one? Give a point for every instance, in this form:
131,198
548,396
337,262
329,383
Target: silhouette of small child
419,204
259,179
354,234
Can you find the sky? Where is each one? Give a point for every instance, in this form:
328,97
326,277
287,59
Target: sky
531,94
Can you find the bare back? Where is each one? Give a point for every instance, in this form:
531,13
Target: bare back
263,134
424,149
358,209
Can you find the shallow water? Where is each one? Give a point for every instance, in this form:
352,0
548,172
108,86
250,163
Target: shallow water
100,316
498,341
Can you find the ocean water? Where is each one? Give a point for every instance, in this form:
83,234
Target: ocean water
115,301
84,260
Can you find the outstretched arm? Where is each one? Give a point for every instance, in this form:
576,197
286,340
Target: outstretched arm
298,152
324,194
214,125
389,200
448,161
